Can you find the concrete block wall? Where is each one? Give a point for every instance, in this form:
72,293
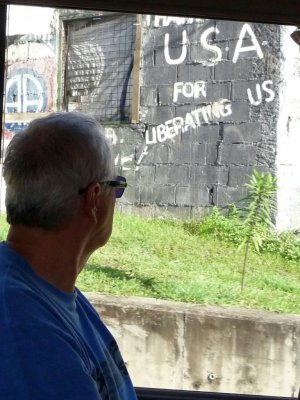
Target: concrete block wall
209,110
181,346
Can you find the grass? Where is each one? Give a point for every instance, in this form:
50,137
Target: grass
163,259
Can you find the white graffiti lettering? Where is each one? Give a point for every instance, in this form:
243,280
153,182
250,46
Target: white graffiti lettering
246,29
122,160
143,154
217,52
265,87
111,135
189,89
173,127
215,49
160,20
183,54
119,158
268,90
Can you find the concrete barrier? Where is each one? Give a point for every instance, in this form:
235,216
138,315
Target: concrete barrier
182,346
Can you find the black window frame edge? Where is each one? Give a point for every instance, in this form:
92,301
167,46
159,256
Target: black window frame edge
144,393
285,12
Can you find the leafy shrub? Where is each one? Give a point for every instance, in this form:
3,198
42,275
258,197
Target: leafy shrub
229,227
285,244
225,227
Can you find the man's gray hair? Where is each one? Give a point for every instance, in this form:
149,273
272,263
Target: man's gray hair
48,163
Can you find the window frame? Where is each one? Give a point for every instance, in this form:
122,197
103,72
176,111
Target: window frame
286,12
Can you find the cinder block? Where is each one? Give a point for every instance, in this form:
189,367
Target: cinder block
227,70
159,75
224,195
187,153
216,91
239,154
146,194
165,94
175,35
163,194
182,110
130,135
211,153
172,211
239,89
240,112
171,174
199,54
158,56
148,95
239,175
161,114
131,195
195,29
148,40
228,29
145,175
240,133
148,57
188,137
192,195
207,133
209,175
194,72
157,154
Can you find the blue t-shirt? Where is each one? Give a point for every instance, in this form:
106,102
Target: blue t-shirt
53,345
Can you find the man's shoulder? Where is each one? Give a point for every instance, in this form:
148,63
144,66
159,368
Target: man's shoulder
19,302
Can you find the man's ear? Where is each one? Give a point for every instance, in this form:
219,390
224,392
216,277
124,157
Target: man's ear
91,201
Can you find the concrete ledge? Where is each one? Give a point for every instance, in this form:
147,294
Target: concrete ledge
186,346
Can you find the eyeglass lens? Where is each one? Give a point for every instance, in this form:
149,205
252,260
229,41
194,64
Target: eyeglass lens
119,190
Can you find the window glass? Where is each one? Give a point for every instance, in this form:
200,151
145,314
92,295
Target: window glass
192,108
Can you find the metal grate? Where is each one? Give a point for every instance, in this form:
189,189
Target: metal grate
99,66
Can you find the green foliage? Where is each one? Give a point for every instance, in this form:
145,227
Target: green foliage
261,197
261,192
227,227
284,244
230,228
216,221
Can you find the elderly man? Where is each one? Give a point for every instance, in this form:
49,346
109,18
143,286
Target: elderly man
60,200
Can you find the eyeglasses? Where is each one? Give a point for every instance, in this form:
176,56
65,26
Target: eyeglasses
119,184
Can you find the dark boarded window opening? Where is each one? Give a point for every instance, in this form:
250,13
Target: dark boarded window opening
99,61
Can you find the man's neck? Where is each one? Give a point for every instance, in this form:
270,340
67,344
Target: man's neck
51,255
